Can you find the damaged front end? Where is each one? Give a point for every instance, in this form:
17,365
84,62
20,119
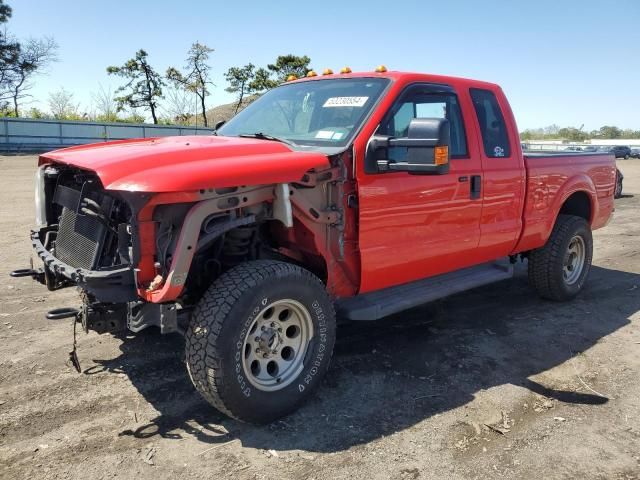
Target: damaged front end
86,237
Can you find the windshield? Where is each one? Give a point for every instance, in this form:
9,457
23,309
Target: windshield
323,113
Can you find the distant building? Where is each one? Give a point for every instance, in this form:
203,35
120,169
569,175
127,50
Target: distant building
631,142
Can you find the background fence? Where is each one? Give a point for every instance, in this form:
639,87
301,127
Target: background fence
29,135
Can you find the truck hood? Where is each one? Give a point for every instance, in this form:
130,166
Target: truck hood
187,163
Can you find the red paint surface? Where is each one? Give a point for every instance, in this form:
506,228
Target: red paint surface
416,226
180,164
406,227
551,181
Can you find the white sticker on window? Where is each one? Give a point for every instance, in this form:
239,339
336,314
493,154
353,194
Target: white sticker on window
337,136
345,102
326,134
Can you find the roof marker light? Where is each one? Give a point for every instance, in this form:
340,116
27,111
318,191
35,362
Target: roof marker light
291,78
327,71
381,69
312,73
345,70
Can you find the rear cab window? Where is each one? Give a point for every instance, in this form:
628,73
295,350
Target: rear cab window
495,138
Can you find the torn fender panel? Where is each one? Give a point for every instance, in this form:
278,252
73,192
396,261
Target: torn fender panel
177,164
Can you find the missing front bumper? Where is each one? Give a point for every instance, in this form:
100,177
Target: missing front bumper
110,285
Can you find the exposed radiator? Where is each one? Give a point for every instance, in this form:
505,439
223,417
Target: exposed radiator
79,240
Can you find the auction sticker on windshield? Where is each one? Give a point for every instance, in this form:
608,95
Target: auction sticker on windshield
345,102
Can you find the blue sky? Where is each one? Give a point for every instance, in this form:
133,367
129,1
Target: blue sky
564,62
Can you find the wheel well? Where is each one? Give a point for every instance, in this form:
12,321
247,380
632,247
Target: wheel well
578,204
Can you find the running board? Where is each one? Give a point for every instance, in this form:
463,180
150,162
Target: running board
382,303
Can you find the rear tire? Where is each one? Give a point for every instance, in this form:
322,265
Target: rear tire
559,270
618,191
260,340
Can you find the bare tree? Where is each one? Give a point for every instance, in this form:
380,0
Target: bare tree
62,105
196,79
179,105
105,103
34,56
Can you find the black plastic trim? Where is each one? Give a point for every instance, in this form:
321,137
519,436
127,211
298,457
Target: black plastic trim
388,301
112,285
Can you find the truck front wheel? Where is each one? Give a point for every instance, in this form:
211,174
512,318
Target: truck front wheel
559,269
260,340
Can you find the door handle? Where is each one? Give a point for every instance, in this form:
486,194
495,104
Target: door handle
463,179
476,186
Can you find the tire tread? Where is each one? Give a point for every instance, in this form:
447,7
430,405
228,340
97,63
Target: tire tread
203,357
542,261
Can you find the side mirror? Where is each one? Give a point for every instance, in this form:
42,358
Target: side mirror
219,124
424,151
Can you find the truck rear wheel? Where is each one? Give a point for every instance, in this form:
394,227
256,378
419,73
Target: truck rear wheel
559,269
260,340
618,191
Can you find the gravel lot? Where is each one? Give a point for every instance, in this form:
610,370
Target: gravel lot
493,383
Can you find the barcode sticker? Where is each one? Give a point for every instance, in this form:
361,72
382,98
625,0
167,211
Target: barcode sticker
345,102
326,134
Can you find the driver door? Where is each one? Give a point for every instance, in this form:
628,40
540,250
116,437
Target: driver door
415,226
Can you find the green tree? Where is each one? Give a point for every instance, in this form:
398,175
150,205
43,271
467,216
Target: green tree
144,85
240,79
262,81
629,133
9,49
286,65
608,131
36,113
5,12
573,134
196,78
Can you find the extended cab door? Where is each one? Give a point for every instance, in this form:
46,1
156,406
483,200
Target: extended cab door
503,174
411,225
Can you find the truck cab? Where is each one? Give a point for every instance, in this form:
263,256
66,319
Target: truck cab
357,193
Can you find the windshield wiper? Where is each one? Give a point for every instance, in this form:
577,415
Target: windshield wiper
265,136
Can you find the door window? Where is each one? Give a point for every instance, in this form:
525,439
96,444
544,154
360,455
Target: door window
423,102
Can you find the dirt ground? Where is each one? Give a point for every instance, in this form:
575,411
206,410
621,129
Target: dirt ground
493,383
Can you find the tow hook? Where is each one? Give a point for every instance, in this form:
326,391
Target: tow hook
67,312
37,274
27,272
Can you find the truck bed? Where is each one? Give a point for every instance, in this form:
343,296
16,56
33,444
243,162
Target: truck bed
552,177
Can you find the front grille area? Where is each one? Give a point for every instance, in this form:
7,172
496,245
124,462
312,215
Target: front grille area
88,227
79,240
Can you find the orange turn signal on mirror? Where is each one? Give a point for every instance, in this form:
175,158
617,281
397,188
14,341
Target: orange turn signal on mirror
441,155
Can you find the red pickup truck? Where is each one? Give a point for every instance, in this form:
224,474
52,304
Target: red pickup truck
358,193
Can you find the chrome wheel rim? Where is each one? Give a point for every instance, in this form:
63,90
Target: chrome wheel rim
275,345
574,260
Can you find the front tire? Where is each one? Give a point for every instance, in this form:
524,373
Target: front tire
260,340
559,270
